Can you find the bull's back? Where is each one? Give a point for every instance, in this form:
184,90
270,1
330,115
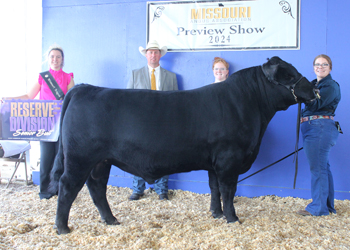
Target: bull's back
185,126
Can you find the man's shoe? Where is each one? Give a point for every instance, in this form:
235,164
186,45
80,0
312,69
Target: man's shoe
135,197
163,196
304,213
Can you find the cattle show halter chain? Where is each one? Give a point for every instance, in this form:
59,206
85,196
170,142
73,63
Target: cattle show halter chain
291,87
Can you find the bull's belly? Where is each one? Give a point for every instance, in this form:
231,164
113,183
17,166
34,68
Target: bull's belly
151,172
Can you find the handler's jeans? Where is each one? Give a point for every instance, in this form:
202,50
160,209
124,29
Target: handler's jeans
160,185
319,137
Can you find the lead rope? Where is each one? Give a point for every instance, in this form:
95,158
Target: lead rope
297,145
269,166
295,154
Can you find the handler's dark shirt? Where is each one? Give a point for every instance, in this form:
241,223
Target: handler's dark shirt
330,97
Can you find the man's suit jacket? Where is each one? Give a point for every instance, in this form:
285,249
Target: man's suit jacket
140,79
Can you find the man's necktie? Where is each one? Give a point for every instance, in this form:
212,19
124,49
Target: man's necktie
153,81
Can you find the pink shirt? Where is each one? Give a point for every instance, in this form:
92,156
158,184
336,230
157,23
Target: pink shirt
63,79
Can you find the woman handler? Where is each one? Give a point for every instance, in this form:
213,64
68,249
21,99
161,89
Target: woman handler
48,150
320,134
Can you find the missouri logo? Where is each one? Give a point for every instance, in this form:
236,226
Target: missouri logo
218,13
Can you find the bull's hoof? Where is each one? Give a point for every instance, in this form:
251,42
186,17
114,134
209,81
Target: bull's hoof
113,221
62,230
234,220
217,215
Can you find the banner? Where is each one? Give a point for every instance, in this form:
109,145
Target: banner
224,25
32,120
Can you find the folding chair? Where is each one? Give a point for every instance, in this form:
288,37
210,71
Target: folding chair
10,151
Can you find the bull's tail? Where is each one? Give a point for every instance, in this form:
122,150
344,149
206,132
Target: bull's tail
58,166
57,171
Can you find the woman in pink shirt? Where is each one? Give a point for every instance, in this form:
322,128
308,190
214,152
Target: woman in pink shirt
48,150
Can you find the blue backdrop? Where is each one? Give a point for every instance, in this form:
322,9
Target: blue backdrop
101,39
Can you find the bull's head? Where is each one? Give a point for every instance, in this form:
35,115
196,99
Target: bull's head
282,73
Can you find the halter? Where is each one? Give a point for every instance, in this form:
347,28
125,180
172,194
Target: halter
290,87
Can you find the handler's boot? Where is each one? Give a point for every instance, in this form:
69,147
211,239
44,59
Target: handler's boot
135,197
163,196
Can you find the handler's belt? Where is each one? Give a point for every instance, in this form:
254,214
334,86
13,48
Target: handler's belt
314,117
53,85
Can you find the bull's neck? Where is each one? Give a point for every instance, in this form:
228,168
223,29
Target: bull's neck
265,97
277,97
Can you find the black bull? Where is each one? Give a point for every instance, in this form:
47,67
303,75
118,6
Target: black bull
147,133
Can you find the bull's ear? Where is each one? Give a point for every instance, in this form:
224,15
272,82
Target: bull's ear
275,60
270,71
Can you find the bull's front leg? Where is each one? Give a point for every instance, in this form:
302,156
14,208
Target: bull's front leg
215,202
97,184
228,189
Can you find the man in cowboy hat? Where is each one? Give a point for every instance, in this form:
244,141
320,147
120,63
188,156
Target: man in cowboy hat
154,77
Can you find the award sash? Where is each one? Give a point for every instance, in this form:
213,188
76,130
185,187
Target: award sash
53,85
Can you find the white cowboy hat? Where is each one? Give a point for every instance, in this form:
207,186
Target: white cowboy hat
153,45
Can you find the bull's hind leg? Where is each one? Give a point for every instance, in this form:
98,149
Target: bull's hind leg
69,186
97,184
215,203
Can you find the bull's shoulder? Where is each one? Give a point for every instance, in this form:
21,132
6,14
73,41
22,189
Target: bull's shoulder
84,88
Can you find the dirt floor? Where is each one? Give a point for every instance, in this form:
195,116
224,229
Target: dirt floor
183,222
